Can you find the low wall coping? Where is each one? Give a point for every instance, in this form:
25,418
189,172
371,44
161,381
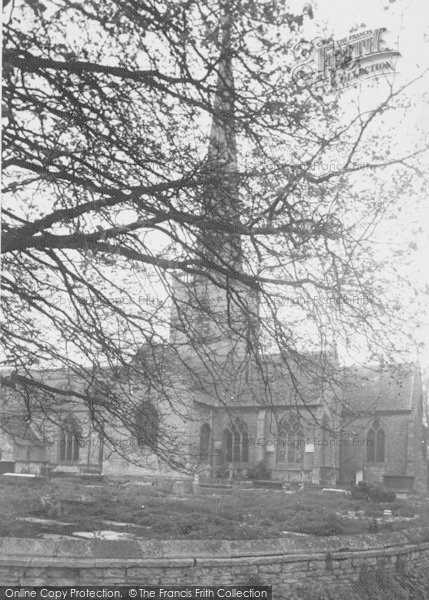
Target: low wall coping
187,553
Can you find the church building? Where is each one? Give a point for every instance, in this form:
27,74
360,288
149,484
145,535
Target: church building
245,415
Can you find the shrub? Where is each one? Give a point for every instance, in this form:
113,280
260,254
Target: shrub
222,472
260,471
371,491
360,491
405,511
332,525
381,494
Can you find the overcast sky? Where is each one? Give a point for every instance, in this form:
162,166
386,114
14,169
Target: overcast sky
407,24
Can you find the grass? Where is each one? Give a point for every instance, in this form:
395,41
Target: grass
243,515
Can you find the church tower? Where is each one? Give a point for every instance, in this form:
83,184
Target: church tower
214,314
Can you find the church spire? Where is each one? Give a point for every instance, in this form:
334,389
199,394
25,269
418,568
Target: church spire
210,306
222,151
221,198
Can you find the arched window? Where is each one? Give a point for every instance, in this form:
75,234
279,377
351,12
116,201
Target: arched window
236,443
375,443
290,441
146,425
70,437
205,436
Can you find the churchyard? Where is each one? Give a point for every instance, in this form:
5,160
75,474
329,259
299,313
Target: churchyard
130,509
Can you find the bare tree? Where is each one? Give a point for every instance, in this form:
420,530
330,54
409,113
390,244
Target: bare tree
158,156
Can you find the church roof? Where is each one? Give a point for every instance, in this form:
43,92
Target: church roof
272,383
367,389
362,389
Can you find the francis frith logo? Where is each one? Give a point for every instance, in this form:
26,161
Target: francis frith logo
333,65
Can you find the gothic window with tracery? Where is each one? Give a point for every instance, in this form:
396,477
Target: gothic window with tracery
290,441
205,439
70,437
236,442
375,443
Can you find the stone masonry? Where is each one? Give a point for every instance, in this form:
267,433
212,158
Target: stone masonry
335,563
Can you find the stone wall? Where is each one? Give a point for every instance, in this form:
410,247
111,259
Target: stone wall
334,563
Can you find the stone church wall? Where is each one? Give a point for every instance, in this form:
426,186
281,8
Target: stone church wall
353,452
124,457
418,459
